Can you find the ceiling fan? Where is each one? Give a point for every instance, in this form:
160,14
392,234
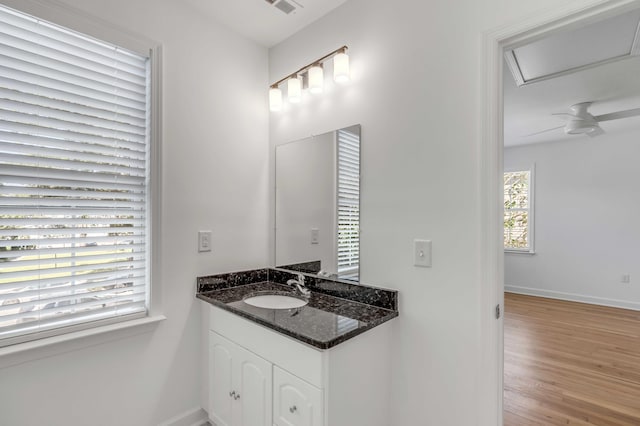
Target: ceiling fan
580,122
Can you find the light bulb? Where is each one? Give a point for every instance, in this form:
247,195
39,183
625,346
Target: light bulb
316,79
275,99
294,90
341,68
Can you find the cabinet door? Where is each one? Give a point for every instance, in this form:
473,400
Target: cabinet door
220,380
253,380
295,402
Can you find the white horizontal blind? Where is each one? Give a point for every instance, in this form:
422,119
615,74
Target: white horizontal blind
74,137
348,203
517,210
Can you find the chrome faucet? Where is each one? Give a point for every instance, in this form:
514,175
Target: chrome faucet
299,284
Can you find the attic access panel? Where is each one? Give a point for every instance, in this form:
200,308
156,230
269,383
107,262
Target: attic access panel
605,41
285,6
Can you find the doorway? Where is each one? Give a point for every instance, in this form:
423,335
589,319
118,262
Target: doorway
493,258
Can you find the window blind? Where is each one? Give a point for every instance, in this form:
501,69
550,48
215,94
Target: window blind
74,138
348,203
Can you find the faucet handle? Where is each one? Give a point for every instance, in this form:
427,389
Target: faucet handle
301,279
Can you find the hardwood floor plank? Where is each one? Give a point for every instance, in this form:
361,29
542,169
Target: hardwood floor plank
570,363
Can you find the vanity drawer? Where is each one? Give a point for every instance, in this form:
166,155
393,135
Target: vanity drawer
295,402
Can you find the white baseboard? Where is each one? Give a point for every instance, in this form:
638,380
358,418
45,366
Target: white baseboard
571,297
194,417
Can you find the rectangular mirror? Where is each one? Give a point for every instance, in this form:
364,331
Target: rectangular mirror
317,217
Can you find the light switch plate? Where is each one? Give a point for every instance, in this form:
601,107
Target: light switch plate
204,241
315,236
422,253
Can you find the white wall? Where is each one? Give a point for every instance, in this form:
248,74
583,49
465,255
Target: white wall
215,177
586,220
305,200
416,85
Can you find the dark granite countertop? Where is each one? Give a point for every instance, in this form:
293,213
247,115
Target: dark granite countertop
323,323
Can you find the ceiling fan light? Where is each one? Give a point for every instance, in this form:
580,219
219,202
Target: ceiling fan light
579,127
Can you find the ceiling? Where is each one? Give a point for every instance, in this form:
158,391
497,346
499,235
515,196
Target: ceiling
612,86
263,22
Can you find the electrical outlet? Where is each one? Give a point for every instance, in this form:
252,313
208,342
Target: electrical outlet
204,241
625,279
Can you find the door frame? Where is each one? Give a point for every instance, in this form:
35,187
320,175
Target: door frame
490,166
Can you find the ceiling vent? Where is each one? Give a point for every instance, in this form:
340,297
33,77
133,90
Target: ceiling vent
283,5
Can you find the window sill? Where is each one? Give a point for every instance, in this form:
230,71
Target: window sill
519,252
50,346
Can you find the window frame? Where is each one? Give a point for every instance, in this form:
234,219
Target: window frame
76,20
531,210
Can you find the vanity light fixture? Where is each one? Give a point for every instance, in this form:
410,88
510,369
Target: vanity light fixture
316,79
341,68
275,99
310,76
294,89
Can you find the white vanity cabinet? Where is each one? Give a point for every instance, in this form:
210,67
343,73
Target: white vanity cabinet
280,381
295,402
240,385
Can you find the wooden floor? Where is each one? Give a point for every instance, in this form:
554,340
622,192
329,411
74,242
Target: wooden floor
569,363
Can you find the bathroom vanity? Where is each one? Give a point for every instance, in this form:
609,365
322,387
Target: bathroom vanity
327,363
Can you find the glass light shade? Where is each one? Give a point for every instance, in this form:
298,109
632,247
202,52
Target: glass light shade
341,68
294,90
275,99
316,79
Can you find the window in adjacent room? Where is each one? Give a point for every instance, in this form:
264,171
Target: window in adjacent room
518,211
74,180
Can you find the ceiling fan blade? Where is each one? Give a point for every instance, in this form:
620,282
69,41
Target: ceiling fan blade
597,132
619,114
567,116
544,131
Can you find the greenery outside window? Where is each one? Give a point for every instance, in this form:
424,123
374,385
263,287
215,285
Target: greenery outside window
518,211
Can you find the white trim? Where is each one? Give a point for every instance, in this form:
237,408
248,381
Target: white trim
50,346
516,251
512,63
155,190
572,297
491,230
336,205
631,54
33,344
635,47
193,417
490,163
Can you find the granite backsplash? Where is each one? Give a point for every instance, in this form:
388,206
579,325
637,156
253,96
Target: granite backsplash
379,297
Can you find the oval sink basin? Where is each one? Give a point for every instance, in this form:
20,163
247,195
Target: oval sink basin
275,301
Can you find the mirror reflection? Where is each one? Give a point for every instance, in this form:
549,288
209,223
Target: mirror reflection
317,216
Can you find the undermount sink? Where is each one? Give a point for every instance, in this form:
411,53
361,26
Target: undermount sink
275,301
